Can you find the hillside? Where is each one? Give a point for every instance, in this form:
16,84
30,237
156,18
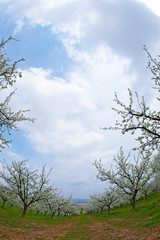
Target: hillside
122,223
80,201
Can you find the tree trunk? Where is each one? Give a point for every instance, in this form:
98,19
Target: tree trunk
37,212
133,202
4,201
109,208
24,210
146,196
59,212
53,213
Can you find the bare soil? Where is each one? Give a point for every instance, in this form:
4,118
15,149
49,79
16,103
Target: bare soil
75,230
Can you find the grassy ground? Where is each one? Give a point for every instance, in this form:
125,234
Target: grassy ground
122,223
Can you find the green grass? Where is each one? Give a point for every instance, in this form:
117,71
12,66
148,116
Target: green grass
11,217
108,229
77,234
146,214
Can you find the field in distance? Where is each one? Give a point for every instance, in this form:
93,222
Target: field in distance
80,203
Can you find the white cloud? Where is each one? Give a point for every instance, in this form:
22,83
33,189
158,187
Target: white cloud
65,16
124,25
154,5
70,111
14,156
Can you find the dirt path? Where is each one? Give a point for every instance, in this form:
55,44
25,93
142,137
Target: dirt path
77,230
108,231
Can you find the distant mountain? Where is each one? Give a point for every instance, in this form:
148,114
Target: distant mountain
80,201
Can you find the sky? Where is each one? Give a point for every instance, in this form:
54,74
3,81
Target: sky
78,54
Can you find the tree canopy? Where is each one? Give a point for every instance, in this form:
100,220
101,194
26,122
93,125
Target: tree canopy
29,186
8,75
141,118
128,176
